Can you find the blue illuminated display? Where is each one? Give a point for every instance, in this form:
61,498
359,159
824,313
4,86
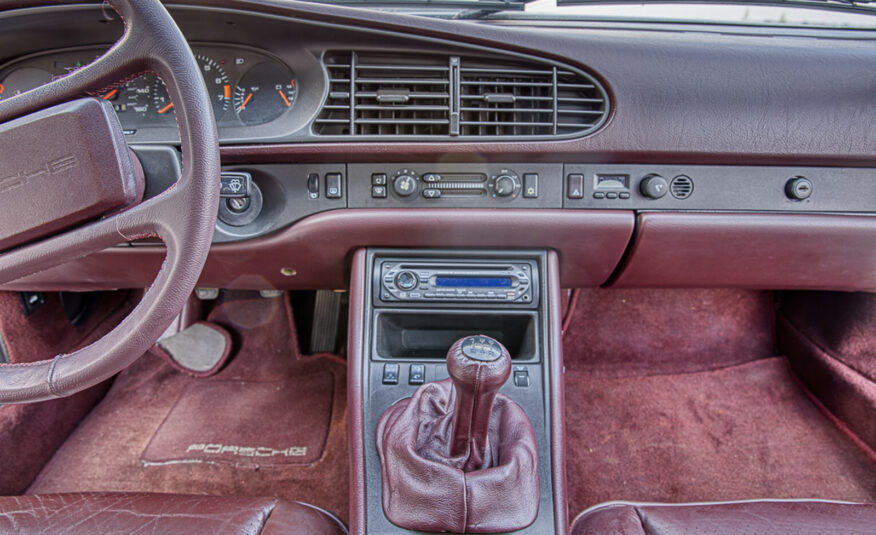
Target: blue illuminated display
473,282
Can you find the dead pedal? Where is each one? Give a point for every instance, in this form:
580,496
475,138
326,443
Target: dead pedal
201,350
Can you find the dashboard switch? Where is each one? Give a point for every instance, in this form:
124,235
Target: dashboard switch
575,186
521,378
235,185
530,185
378,179
333,188
390,374
313,185
378,192
654,186
417,375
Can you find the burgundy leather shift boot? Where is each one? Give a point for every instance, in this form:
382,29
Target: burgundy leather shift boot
457,456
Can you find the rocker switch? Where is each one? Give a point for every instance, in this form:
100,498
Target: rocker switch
390,374
521,378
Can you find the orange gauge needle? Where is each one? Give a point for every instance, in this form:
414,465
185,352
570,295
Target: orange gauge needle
1,89
286,100
110,94
164,109
245,101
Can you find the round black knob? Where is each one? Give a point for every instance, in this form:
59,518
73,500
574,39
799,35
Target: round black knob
405,184
798,188
654,186
506,185
406,280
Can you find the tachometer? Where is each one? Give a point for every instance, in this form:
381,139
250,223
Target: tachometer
264,93
217,85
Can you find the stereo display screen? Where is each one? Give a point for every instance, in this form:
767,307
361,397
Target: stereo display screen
473,282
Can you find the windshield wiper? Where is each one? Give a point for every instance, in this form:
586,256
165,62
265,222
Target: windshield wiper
857,6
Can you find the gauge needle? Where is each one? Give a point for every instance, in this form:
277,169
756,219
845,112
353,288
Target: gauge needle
164,109
110,94
286,100
245,101
1,89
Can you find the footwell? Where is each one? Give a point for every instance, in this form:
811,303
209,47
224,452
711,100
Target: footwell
239,432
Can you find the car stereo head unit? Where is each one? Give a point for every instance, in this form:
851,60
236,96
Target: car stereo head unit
457,282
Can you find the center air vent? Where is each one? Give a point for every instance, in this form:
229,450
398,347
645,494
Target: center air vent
405,95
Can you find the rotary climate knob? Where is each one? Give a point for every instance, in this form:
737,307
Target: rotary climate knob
405,183
506,185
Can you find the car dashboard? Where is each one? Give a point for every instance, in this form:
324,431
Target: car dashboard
646,155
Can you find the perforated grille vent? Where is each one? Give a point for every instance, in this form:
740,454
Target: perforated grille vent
681,187
380,95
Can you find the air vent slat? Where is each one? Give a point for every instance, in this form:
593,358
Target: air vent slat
424,95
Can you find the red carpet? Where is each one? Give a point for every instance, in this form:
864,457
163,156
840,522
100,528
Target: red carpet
694,413
30,434
263,423
104,452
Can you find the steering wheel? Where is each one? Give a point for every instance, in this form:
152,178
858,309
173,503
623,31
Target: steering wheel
183,217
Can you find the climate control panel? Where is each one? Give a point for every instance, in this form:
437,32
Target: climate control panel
519,185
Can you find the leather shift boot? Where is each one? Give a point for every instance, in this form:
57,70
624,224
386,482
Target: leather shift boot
457,456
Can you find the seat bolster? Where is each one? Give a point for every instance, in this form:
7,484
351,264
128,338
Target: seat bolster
609,519
297,517
766,517
111,513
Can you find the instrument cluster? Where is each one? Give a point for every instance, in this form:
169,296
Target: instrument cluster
247,87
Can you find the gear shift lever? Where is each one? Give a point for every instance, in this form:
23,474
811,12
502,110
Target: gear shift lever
458,456
478,366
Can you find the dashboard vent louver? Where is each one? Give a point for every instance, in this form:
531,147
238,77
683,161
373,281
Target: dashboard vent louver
377,95
681,187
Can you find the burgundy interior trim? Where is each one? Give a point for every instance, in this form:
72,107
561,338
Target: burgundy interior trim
590,244
769,85
355,415
562,151
770,251
557,395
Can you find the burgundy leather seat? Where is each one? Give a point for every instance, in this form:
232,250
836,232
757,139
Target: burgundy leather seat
748,518
104,513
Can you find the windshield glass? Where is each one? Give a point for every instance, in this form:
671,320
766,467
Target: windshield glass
709,12
819,13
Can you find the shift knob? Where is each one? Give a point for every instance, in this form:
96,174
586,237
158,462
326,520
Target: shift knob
478,366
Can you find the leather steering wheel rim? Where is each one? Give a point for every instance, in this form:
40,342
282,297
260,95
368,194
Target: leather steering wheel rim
183,217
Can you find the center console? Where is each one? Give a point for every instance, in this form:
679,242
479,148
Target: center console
408,308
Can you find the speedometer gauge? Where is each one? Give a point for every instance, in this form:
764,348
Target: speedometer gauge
218,87
264,93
